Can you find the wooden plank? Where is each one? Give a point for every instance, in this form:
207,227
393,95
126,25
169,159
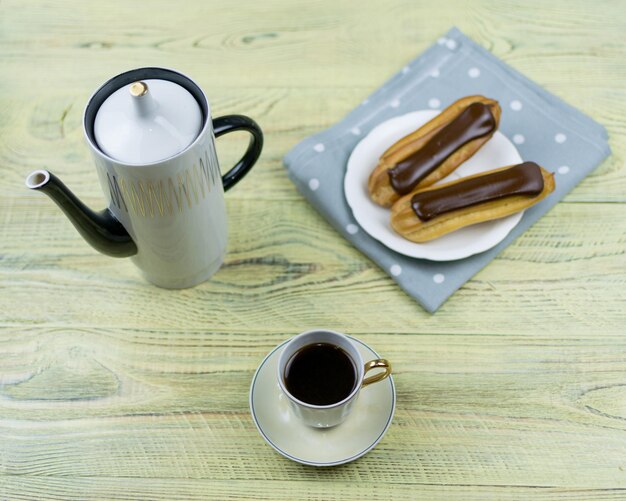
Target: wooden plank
566,274
48,134
313,485
455,446
301,36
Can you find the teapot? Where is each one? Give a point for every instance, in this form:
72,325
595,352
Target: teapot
152,139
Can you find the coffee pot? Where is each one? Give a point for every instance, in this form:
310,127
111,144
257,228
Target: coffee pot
151,136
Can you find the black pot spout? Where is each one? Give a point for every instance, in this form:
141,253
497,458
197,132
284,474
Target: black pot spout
101,229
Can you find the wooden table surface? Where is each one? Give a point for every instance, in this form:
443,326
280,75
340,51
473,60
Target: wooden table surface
113,388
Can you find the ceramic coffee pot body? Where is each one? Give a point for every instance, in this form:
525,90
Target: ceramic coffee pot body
152,139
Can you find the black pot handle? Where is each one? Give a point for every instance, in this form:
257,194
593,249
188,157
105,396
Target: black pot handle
230,123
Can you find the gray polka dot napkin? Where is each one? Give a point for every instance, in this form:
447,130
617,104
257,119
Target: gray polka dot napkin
543,128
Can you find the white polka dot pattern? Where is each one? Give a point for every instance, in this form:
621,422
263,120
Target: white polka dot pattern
434,102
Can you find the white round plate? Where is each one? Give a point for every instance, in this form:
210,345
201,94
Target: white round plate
497,152
357,435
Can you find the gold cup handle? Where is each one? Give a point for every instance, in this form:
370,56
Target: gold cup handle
379,363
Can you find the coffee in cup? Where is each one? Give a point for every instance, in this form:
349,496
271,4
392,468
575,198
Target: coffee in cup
321,372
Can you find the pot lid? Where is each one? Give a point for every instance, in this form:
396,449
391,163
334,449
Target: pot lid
147,121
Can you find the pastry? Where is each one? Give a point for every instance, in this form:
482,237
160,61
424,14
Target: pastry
435,211
434,150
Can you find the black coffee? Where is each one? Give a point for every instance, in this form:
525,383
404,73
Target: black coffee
320,374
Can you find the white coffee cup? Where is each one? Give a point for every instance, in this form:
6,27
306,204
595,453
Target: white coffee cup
325,416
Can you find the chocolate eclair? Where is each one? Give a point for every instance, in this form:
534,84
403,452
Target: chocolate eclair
434,150
437,210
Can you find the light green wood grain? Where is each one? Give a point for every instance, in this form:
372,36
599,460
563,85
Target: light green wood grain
112,388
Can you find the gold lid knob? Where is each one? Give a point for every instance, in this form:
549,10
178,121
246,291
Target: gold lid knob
138,89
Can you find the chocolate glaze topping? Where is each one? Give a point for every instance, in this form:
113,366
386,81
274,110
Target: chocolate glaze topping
474,122
522,179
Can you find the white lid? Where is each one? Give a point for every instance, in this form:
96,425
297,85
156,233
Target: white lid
148,121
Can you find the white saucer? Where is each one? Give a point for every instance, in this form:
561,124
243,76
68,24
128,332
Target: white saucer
497,152
365,426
